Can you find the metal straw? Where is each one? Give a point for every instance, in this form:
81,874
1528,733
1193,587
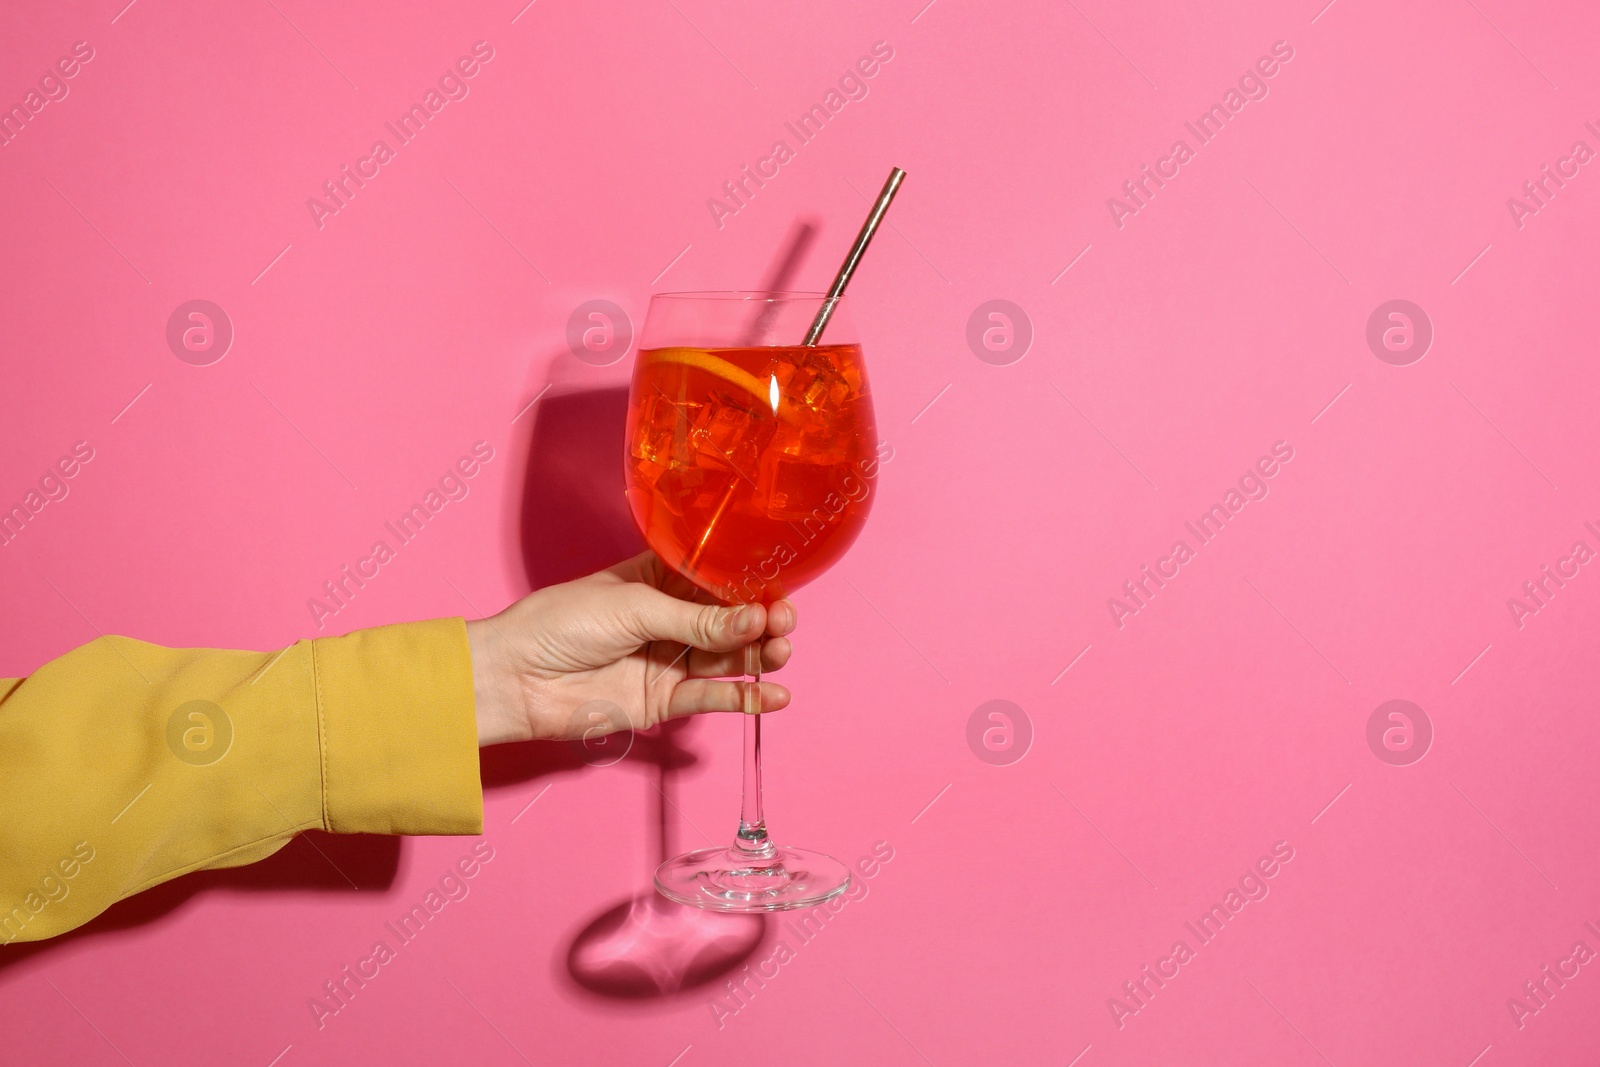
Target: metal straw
842,279
864,238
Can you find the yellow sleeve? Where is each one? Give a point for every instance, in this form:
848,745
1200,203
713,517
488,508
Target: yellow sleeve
124,764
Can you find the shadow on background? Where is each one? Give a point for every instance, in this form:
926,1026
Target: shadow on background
646,946
574,520
312,862
574,517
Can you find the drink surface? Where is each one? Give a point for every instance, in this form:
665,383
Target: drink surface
750,470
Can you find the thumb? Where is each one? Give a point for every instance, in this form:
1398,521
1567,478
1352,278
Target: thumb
651,615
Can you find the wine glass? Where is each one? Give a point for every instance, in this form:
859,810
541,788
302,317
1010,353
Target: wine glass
750,465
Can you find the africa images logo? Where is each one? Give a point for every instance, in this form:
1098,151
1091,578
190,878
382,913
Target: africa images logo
199,332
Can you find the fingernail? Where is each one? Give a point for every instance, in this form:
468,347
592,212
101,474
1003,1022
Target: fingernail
743,619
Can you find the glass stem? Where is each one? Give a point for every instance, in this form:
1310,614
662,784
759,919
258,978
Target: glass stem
752,825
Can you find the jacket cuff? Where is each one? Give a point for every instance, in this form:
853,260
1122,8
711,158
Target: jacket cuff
397,729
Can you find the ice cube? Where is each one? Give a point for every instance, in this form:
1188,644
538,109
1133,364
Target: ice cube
727,428
817,384
852,377
817,429
727,435
783,371
680,487
647,472
798,490
660,436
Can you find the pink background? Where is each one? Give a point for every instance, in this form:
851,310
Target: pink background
1229,313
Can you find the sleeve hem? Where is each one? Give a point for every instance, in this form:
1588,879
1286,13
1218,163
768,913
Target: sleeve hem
398,725
322,736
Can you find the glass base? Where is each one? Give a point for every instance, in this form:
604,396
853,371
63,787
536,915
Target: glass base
733,879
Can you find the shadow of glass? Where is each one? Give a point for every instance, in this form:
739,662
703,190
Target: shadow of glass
648,946
575,520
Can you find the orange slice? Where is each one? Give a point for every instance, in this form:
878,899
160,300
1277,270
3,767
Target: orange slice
702,360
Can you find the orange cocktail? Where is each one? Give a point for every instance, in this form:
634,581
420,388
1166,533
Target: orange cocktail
749,470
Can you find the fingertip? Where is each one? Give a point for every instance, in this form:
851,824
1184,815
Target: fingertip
781,617
745,622
775,652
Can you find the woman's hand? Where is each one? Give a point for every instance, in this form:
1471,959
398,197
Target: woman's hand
629,635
